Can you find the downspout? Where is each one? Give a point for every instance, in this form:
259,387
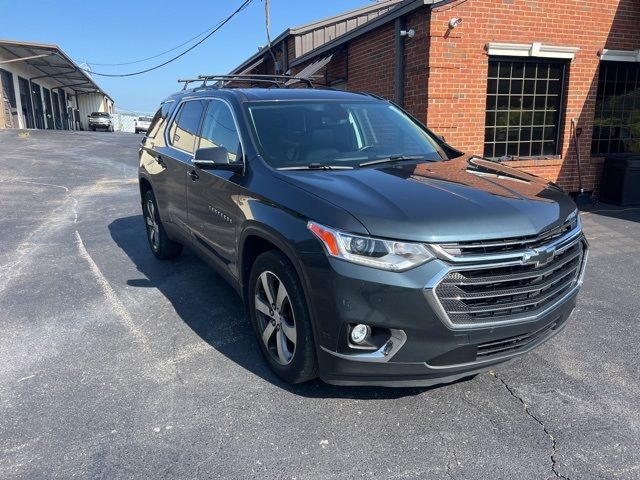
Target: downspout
285,56
399,62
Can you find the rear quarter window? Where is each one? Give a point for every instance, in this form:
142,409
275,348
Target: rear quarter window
159,119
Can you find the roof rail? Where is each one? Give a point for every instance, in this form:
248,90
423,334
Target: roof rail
278,80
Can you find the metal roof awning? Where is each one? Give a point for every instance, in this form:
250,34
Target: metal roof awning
312,69
52,62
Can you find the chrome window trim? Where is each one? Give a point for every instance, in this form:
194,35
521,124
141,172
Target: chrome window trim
192,154
566,242
174,114
235,122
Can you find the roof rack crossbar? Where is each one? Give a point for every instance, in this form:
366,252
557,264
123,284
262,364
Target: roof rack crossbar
279,79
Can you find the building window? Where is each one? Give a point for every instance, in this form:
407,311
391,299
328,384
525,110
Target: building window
617,119
524,99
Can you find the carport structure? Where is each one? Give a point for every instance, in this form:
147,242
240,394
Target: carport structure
41,87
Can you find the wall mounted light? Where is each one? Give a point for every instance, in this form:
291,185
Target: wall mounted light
454,22
408,33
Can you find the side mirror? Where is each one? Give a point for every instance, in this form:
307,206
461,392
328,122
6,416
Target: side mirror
88,116
215,158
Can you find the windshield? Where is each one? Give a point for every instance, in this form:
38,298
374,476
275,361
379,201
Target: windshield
144,119
99,114
337,133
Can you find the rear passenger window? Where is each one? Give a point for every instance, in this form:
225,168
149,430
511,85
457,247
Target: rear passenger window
219,130
184,129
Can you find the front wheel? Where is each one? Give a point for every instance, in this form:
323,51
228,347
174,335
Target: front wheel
161,245
281,319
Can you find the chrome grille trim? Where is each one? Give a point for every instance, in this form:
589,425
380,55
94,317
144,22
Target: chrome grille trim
465,297
447,251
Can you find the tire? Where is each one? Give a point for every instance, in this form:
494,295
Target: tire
294,362
161,245
93,129
137,132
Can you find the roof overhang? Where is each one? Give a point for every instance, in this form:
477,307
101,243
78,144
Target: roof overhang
397,11
52,63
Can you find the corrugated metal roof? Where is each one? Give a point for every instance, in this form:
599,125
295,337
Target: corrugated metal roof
316,37
53,63
313,35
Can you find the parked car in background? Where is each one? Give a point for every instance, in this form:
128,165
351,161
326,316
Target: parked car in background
142,124
367,250
100,121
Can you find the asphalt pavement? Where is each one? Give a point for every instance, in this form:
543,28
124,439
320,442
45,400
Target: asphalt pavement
116,365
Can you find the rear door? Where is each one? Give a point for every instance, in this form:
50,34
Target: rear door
212,195
167,155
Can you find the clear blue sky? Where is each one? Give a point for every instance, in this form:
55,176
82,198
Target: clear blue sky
115,31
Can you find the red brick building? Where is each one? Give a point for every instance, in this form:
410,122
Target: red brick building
499,78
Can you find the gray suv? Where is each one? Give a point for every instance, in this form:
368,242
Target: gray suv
366,249
100,121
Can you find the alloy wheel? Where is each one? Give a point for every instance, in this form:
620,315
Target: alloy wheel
153,229
276,321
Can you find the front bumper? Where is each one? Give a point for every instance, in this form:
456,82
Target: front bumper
424,349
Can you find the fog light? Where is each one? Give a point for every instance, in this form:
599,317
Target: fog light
360,333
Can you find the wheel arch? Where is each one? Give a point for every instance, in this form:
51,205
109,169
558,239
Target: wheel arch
257,239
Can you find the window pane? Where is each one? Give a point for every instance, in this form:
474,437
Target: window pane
616,124
219,130
528,95
185,128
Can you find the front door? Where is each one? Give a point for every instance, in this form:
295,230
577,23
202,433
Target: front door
212,194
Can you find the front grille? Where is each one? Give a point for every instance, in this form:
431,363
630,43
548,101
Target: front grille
513,344
486,247
486,294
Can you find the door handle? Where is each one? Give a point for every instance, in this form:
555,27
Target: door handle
160,161
193,175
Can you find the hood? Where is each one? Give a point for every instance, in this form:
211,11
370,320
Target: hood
467,198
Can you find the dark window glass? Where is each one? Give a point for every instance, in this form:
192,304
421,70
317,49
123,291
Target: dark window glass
219,130
528,103
159,119
185,127
617,117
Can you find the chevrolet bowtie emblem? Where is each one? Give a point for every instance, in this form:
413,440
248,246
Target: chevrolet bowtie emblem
538,256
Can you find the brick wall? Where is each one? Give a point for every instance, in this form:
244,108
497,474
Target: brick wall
446,70
458,68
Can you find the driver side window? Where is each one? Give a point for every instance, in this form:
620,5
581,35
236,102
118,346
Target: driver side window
219,130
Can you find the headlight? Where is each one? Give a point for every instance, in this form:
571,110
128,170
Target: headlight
372,252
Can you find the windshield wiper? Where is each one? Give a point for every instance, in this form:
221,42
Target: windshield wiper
392,159
317,166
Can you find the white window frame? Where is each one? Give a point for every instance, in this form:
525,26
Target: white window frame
535,49
608,55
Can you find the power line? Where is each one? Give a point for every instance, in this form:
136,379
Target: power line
218,27
153,56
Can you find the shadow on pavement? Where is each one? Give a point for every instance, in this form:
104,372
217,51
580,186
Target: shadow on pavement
630,214
213,310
